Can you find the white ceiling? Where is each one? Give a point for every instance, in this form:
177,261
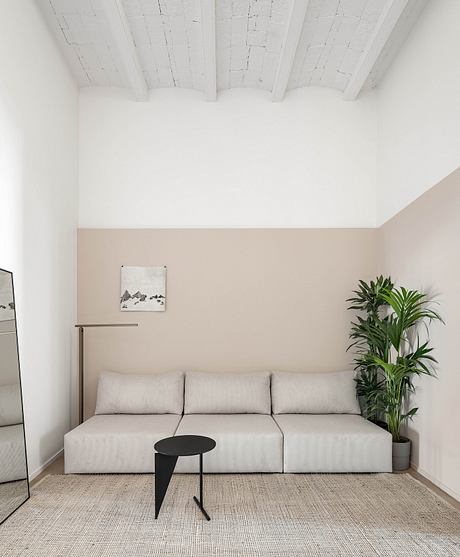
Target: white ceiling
213,45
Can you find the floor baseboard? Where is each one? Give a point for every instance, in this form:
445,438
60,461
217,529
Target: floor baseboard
430,479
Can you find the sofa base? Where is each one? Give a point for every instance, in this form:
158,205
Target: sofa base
12,453
244,443
121,443
339,443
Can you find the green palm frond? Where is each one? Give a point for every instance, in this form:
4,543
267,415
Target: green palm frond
410,308
368,297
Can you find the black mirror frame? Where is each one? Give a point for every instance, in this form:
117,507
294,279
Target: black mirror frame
22,399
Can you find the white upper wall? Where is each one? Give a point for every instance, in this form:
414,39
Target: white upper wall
419,110
313,161
38,189
243,161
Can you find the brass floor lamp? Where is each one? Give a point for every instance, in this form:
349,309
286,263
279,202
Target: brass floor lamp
81,358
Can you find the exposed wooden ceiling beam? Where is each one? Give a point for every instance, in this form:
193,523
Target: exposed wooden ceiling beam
294,30
383,29
119,28
208,30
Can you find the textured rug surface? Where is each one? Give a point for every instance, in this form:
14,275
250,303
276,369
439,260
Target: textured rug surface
272,515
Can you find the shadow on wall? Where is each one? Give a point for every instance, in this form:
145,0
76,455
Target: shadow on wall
414,436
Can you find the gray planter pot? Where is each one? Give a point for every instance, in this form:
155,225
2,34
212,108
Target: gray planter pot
401,454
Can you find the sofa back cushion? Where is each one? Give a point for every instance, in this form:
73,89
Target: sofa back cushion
314,393
227,393
10,405
126,393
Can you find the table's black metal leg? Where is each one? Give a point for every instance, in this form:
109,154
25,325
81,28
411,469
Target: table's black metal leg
200,502
201,479
164,468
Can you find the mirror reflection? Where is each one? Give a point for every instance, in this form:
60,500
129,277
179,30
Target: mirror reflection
14,486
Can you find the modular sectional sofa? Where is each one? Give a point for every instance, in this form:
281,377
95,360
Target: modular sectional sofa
262,422
11,435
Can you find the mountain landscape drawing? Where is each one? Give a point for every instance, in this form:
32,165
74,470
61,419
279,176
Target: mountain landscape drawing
137,298
143,289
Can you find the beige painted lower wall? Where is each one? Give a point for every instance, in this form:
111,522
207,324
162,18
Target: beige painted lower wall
420,248
237,300
254,299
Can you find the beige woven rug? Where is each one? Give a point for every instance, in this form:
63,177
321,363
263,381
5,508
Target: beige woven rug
252,515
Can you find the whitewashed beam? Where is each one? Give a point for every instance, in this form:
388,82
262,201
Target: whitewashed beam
208,30
385,24
121,34
297,13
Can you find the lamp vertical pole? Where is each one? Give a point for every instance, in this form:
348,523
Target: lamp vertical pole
81,370
81,360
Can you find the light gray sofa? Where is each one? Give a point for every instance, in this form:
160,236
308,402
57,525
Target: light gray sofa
12,448
262,422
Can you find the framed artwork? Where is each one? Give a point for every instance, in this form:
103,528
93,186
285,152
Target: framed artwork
143,288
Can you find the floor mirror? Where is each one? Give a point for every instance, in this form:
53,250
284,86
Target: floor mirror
14,483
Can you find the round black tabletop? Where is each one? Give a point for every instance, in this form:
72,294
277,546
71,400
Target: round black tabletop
185,445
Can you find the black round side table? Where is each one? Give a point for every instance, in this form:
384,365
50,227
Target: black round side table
168,451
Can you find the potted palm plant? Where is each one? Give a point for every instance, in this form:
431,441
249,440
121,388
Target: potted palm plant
369,340
406,359
390,347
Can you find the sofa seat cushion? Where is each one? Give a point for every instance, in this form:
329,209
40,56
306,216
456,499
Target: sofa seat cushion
12,453
244,443
120,443
334,443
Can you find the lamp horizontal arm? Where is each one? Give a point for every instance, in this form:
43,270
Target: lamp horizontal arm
82,325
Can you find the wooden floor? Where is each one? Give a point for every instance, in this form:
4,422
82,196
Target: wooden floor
435,488
57,467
